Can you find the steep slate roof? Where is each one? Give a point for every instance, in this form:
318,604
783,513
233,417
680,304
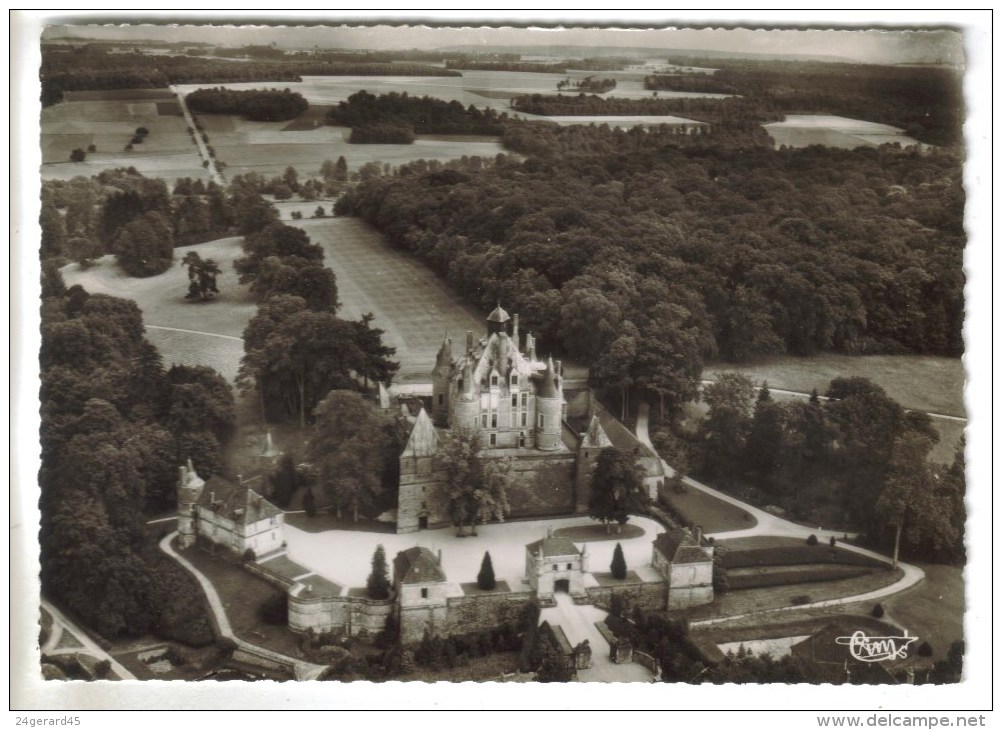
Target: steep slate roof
679,546
546,387
423,440
236,502
417,565
595,436
553,547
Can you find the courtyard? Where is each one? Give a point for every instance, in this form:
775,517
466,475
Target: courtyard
345,557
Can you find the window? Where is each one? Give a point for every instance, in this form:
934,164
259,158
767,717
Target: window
494,420
494,439
514,400
483,420
424,593
494,380
514,380
555,568
541,421
441,399
524,415
568,566
525,399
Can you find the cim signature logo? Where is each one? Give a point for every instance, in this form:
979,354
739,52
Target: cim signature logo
876,648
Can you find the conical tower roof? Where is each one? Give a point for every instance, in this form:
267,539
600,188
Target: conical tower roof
548,386
423,440
596,437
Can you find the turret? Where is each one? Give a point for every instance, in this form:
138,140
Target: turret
549,407
514,332
440,384
467,406
530,347
189,490
497,321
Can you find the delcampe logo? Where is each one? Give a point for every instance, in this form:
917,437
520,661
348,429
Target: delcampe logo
876,648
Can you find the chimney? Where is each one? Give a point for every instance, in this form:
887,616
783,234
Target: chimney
530,346
549,530
514,330
469,341
699,534
182,476
440,556
212,497
240,480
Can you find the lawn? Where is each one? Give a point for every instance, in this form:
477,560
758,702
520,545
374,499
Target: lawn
598,533
162,300
919,382
791,552
242,595
933,609
711,514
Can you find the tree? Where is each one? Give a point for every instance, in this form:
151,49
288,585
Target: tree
485,578
346,450
765,437
201,276
78,155
475,488
319,212
145,247
724,430
617,488
910,501
378,583
291,178
618,566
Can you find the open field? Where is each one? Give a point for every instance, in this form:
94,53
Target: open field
185,332
708,512
801,130
933,609
481,88
409,301
108,124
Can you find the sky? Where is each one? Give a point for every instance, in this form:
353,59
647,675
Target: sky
885,44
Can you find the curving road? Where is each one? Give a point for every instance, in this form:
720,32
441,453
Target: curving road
60,625
771,525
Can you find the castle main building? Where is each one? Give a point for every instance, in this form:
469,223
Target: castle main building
513,399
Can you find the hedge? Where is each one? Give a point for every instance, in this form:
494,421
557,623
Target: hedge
795,555
793,577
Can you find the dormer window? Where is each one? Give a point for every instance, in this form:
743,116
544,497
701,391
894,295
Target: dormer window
494,380
514,379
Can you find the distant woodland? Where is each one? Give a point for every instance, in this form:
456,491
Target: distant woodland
269,105
423,115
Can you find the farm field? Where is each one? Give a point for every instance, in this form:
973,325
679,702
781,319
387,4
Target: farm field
801,130
108,120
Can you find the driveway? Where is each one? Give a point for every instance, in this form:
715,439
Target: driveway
345,557
578,623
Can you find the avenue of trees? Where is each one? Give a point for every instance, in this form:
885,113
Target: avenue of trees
115,427
856,459
423,115
258,105
643,258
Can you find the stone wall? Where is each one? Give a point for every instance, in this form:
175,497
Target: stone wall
542,484
687,597
650,596
351,614
485,611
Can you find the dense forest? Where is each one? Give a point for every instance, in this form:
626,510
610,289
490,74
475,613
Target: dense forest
423,115
264,105
927,102
66,68
616,245
115,427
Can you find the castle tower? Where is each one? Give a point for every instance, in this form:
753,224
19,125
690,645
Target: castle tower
497,321
467,406
440,384
189,489
549,409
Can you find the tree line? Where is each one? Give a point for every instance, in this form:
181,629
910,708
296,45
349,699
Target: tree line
926,101
67,68
643,253
259,105
421,115
115,427
857,459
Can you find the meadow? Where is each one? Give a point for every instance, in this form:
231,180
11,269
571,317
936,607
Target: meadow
801,130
